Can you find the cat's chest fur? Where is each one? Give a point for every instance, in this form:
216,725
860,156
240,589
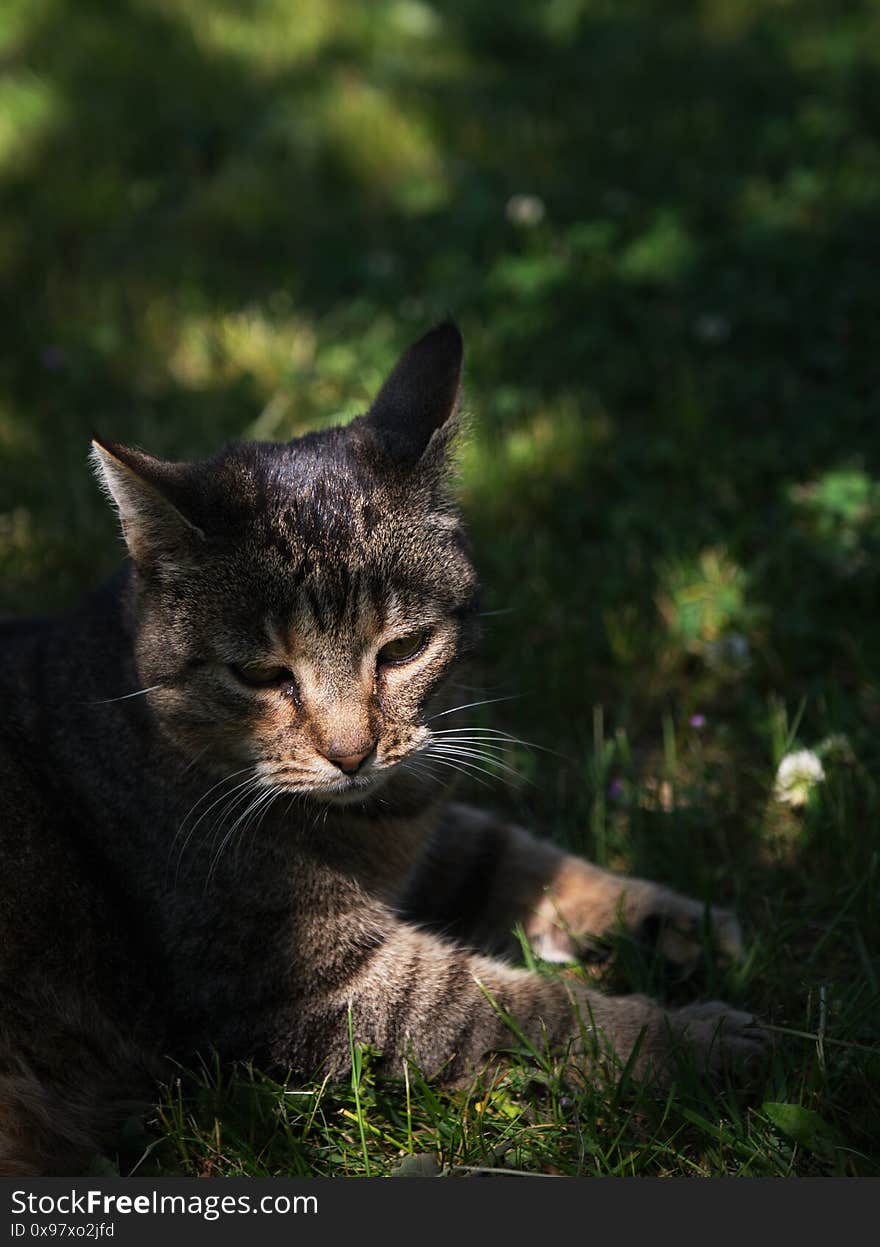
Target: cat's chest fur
242,924
238,916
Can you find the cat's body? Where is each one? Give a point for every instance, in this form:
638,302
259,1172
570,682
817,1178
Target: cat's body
253,846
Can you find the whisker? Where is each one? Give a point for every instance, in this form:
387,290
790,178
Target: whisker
181,826
478,742
224,796
463,754
453,766
490,701
248,801
244,803
474,746
497,734
197,758
125,696
276,794
264,798
483,731
234,802
409,764
204,797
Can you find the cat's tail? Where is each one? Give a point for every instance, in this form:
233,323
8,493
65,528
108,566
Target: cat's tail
54,1123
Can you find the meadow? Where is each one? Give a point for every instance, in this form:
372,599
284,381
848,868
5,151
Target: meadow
656,223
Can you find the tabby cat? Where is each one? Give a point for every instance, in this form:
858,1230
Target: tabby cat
220,825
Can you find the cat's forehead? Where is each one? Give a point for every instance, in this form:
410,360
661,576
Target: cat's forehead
350,586
323,616
337,527
311,499
326,549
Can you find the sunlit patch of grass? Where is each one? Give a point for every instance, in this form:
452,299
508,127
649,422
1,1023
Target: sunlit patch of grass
388,149
532,275
283,35
28,108
205,351
302,373
794,203
707,608
856,32
542,449
15,21
839,512
663,253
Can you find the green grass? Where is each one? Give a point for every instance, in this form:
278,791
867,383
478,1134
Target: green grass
219,220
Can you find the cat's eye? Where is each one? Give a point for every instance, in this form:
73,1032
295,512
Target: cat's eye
262,675
403,648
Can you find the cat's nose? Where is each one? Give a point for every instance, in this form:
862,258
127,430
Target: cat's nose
350,762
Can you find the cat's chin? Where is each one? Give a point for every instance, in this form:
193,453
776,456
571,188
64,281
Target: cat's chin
355,791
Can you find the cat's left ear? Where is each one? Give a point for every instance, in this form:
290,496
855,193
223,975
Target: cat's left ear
150,495
420,395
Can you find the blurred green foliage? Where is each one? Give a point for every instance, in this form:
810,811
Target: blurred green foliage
655,222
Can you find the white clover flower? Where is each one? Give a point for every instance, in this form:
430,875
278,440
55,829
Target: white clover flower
525,211
797,776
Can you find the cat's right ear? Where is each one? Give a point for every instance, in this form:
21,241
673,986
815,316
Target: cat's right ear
142,488
419,398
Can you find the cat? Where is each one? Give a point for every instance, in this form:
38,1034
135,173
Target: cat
221,822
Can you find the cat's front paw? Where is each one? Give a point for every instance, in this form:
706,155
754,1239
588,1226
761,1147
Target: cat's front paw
721,1038
586,904
711,1039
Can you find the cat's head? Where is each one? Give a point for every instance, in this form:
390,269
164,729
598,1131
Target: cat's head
300,605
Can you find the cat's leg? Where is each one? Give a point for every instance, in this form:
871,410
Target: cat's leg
482,876
409,993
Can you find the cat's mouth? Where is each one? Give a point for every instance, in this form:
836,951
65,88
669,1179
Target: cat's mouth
345,790
350,789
